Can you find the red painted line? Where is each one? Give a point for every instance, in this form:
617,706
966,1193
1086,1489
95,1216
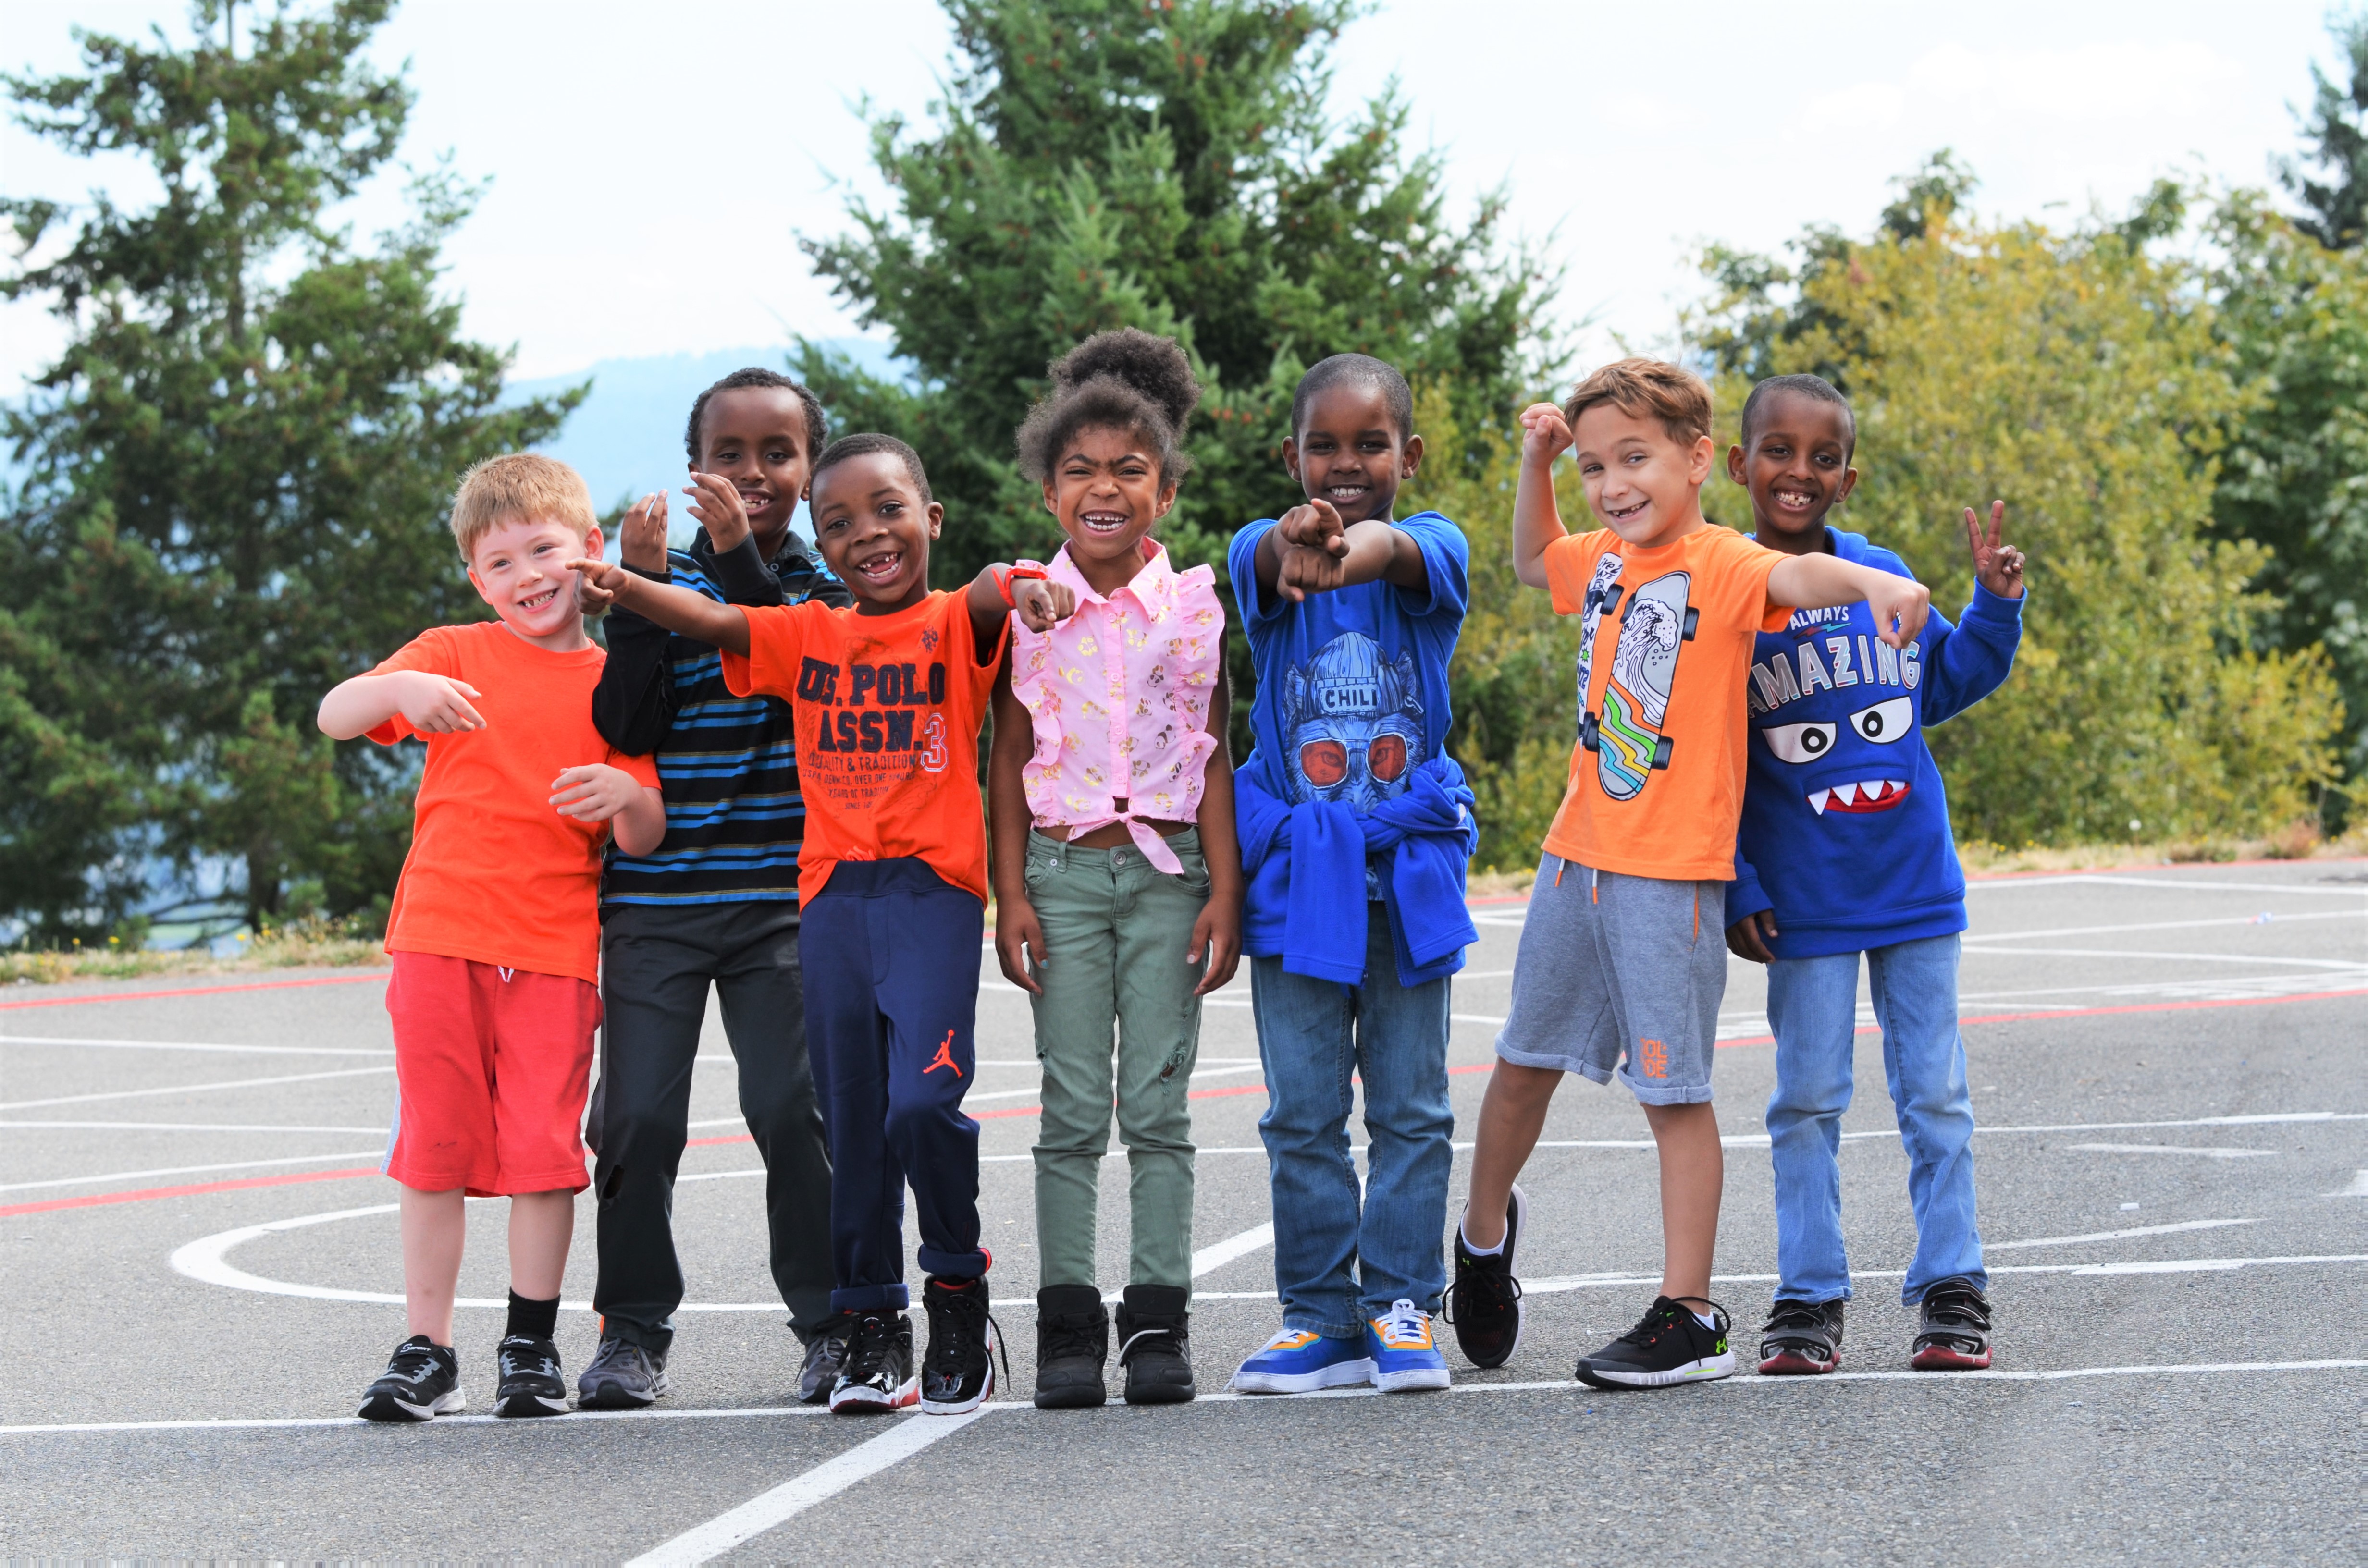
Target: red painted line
191,991
197,1190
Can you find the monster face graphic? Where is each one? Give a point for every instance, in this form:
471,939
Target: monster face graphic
1853,776
1351,724
1626,737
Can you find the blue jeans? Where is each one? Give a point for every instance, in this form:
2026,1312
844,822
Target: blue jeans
1813,1007
1313,1034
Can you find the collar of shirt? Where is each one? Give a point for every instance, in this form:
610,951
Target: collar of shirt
1154,588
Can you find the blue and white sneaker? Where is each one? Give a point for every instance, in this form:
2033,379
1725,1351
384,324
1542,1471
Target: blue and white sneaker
1300,1360
1404,1356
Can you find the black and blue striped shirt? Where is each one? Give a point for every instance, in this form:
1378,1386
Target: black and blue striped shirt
728,764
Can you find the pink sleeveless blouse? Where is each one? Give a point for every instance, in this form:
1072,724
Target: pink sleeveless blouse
1119,698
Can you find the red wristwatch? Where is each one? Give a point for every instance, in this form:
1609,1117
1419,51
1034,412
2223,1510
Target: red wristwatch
1003,580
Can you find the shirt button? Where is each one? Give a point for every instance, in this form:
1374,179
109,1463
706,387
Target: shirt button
1118,857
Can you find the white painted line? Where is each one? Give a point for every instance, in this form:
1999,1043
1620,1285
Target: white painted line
182,1127
2358,1187
1981,935
189,1170
2173,1148
2115,1236
2103,879
1216,1255
1221,1397
1551,1287
719,1535
2264,1120
196,1088
2347,965
193,1045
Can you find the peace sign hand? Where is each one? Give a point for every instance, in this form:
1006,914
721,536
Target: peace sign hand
1998,565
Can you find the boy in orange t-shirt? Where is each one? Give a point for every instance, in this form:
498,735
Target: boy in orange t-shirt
496,933
1623,958
892,885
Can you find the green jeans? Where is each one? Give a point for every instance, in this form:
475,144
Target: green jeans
1116,931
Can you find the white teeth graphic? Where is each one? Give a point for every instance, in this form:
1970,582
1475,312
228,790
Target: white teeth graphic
1846,793
1895,784
1817,800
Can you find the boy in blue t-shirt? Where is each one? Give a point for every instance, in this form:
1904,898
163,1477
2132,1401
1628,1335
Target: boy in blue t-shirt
1845,847
1356,829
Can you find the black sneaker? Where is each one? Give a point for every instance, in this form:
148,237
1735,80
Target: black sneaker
1801,1339
958,1373
422,1381
878,1375
1155,1344
1670,1346
1952,1332
1485,1302
623,1376
1072,1342
531,1381
825,1355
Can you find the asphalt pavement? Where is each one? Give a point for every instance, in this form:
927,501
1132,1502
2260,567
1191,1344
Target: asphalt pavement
2170,1069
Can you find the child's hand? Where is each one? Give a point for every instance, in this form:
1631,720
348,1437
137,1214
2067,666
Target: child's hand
1316,526
596,584
1218,934
1042,606
594,792
641,536
1300,571
1998,565
438,705
715,502
1749,938
1018,937
1545,434
1897,599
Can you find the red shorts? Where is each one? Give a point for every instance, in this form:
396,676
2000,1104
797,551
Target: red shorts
491,1069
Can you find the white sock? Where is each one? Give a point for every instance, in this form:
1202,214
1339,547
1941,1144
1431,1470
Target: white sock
1480,1251
1708,1322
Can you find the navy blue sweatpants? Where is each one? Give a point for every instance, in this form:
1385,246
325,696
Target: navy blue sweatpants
890,951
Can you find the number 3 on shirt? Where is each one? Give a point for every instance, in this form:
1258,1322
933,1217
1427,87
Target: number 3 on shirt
933,755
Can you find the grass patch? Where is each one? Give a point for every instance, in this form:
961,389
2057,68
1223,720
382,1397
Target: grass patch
304,944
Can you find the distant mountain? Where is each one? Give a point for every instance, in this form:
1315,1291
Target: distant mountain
626,438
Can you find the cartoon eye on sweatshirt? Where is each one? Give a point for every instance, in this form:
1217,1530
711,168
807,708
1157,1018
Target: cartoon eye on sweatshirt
1882,725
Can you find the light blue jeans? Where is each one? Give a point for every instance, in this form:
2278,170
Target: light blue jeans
1313,1035
1813,1007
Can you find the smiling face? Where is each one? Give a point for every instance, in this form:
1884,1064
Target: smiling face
874,530
1796,465
1644,483
1107,492
518,568
1351,453
756,437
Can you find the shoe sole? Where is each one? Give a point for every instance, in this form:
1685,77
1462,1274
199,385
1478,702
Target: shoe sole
1073,1399
1416,1380
1792,1364
616,1396
1710,1368
1339,1374
1163,1393
516,1405
394,1409
1940,1358
868,1401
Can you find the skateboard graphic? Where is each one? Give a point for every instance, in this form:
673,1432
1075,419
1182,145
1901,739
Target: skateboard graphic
1626,737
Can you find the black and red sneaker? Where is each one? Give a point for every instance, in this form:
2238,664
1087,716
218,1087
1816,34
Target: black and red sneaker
1952,1332
958,1373
1801,1339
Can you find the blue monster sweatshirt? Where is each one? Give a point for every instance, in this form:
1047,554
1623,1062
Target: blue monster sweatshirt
1845,831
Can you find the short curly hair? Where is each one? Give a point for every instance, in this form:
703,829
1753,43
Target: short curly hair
1354,370
1126,379
817,424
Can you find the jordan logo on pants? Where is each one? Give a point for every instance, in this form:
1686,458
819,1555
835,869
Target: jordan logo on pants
944,1058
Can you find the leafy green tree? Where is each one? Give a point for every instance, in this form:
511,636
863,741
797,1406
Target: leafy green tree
2336,127
238,469
1105,162
2078,377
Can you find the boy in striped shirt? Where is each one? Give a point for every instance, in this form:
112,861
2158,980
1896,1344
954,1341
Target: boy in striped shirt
717,905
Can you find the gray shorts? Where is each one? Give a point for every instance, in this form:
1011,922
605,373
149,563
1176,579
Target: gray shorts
1612,966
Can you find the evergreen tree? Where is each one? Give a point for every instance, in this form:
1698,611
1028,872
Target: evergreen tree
1104,162
238,471
2338,136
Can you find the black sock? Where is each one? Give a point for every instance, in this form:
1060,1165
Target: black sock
536,1320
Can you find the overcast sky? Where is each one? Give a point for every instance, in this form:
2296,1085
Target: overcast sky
652,163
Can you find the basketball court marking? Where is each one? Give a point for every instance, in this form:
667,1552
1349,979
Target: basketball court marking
196,1045
196,1088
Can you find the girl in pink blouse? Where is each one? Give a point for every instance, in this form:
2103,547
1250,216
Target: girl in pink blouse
1118,879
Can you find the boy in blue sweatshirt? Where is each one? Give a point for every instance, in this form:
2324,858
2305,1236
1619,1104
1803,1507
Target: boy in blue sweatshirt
1356,827
1845,848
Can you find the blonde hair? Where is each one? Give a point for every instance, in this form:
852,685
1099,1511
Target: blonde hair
519,487
1647,388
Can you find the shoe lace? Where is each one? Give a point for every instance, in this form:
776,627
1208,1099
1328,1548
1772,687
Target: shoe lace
867,1346
1404,1324
615,1354
1480,1287
412,1362
1796,1317
521,1354
1071,1336
962,1312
